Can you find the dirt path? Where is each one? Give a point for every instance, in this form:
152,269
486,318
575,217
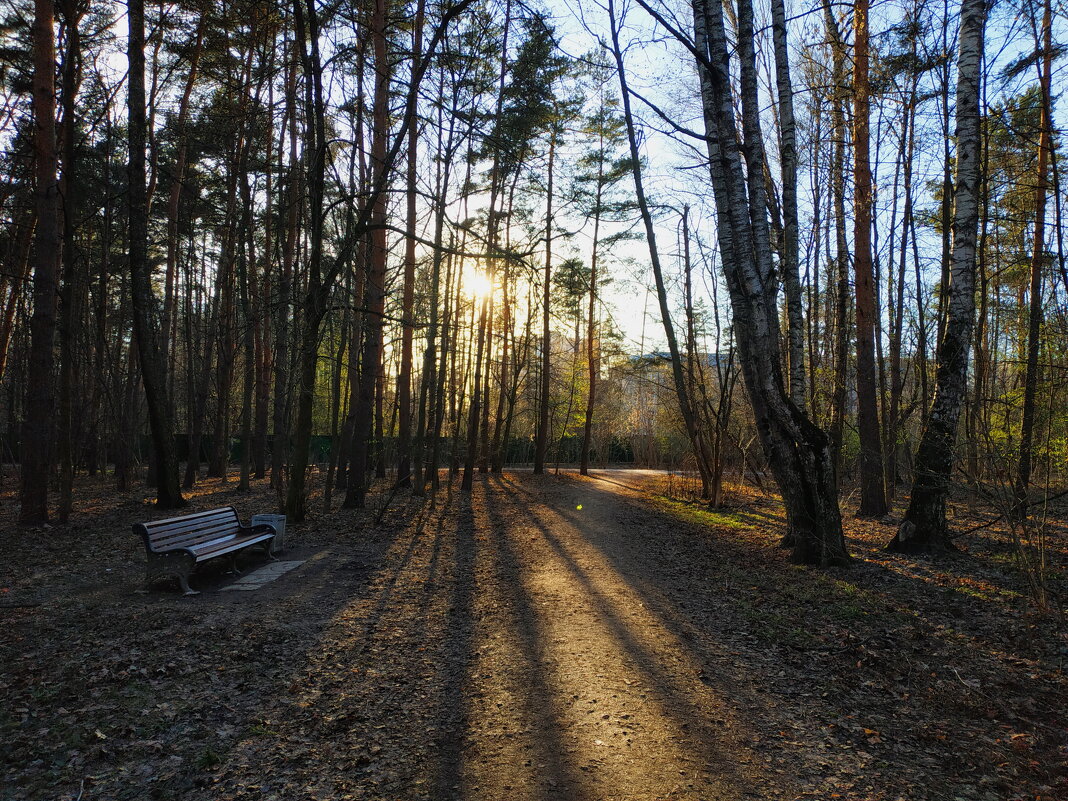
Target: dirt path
556,638
529,635
582,690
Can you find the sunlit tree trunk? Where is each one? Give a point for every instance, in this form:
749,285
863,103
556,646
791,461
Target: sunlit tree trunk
872,488
924,527
1038,259
788,263
797,451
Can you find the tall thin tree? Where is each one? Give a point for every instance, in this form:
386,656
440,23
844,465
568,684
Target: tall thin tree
924,527
872,487
35,448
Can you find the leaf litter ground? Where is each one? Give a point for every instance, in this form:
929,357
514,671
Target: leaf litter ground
549,637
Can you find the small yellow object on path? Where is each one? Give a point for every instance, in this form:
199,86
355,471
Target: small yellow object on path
579,507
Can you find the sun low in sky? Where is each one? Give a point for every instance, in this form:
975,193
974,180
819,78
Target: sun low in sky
477,285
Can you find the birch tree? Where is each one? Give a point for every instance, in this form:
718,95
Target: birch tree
924,527
798,452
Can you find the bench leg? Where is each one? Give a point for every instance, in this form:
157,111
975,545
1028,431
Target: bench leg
183,580
174,563
233,564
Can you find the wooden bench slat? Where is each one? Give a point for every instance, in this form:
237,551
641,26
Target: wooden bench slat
169,540
220,548
192,518
207,526
207,544
162,528
193,542
198,534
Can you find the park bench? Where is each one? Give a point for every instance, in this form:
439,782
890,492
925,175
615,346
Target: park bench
177,544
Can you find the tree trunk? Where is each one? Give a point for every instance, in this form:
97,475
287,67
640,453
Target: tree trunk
289,200
246,268
372,215
219,455
872,488
685,406
476,399
1038,258
507,335
175,196
198,387
314,301
404,377
788,262
797,451
591,320
841,255
430,401
924,527
895,439
374,293
153,366
18,286
541,441
70,294
35,449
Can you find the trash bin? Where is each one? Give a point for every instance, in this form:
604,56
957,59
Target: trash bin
279,524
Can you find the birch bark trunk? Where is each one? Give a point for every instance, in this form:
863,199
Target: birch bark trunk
788,263
924,527
798,452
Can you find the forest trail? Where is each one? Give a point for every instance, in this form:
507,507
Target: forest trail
581,688
553,638
526,646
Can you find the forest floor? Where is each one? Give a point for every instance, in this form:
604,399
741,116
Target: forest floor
552,637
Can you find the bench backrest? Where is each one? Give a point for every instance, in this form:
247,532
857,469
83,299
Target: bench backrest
189,530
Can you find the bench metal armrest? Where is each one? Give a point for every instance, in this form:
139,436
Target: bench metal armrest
263,528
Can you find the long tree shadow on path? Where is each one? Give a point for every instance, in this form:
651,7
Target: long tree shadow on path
865,719
630,703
